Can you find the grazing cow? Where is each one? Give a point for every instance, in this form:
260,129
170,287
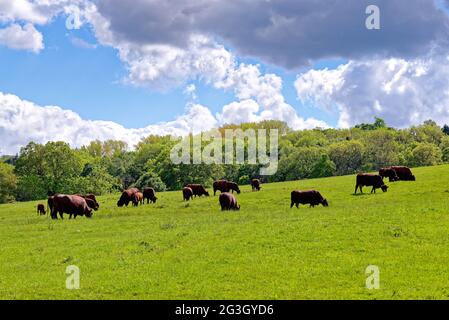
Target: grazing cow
225,186
187,193
228,201
255,184
404,173
73,205
198,190
150,195
374,180
41,209
91,201
311,197
137,199
126,197
388,173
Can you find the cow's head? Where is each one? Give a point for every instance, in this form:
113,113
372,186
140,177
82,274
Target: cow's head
413,178
206,193
88,213
237,207
325,203
120,203
384,188
154,199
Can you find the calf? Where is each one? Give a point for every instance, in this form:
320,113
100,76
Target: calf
187,193
228,202
137,199
311,197
255,184
150,195
370,180
41,209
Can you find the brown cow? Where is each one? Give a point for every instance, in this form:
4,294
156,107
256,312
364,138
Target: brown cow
370,180
225,186
228,201
91,200
126,197
255,184
198,190
41,209
150,195
388,173
311,197
137,199
187,193
404,173
73,205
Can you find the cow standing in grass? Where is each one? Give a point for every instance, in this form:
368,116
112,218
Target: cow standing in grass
198,190
126,197
228,202
41,209
255,184
225,186
137,199
150,195
310,197
388,173
404,173
72,205
370,180
91,200
187,193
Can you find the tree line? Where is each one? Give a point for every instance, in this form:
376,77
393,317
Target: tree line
104,167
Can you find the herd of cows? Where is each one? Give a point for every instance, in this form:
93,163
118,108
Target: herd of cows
84,205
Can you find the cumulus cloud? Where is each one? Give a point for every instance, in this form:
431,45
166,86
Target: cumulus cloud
260,98
22,38
22,10
403,92
23,121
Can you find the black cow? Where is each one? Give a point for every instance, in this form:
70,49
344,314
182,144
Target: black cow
370,180
311,197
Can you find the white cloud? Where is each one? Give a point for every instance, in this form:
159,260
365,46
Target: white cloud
21,10
253,88
22,38
23,121
403,92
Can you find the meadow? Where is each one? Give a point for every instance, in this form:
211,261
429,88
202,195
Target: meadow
178,250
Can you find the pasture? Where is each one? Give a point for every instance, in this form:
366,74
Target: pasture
178,250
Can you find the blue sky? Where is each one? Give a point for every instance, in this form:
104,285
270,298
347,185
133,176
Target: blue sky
90,82
106,75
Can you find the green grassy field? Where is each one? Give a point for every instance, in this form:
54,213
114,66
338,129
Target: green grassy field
174,250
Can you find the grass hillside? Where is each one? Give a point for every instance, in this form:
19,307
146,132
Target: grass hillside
177,250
